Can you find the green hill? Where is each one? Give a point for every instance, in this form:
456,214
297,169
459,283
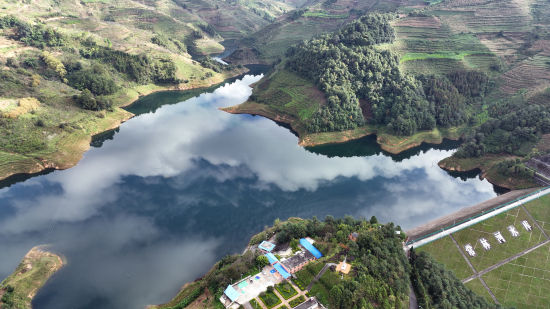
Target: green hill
80,61
379,277
476,70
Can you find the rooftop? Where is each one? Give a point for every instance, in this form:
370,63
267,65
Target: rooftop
266,246
272,258
309,247
297,259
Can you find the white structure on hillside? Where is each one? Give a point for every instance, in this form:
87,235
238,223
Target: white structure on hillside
486,245
513,231
470,250
499,237
526,225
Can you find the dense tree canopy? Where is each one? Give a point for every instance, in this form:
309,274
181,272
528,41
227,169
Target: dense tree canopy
348,68
141,68
513,127
436,287
33,35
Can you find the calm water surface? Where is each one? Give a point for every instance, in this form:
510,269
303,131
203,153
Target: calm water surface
155,203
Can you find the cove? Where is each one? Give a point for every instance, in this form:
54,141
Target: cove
156,202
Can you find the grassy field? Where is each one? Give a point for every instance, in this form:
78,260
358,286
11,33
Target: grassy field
521,283
445,251
321,288
286,290
539,209
498,252
38,265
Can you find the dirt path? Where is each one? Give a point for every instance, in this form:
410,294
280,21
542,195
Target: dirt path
413,302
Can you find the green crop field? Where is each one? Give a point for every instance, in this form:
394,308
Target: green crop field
521,283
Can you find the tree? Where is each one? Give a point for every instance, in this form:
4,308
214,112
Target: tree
373,220
261,261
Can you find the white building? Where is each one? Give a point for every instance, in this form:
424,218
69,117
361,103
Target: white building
486,245
499,237
470,250
513,231
526,225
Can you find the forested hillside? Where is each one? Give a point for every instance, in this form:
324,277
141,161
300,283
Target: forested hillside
67,66
442,69
364,84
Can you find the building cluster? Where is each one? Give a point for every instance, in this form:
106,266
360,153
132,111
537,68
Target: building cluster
498,237
278,270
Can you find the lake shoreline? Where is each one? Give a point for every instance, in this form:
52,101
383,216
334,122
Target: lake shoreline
389,143
32,273
72,148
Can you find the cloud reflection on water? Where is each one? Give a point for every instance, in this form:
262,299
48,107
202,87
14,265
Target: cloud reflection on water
105,213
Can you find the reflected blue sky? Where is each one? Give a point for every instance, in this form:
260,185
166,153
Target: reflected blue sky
176,189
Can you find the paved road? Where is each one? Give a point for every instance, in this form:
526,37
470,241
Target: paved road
464,213
319,275
413,302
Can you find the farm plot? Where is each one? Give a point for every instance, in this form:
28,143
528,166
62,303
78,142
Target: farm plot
532,75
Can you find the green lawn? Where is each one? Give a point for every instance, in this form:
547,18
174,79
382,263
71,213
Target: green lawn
445,251
539,209
523,283
306,275
321,288
478,288
498,252
269,299
296,301
255,304
286,290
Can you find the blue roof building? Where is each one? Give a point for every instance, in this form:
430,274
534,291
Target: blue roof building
266,246
309,247
271,258
231,293
281,270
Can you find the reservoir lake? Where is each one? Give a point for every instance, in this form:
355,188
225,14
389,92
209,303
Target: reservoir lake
154,203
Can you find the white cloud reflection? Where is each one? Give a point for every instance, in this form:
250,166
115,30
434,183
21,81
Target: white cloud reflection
113,249
168,143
